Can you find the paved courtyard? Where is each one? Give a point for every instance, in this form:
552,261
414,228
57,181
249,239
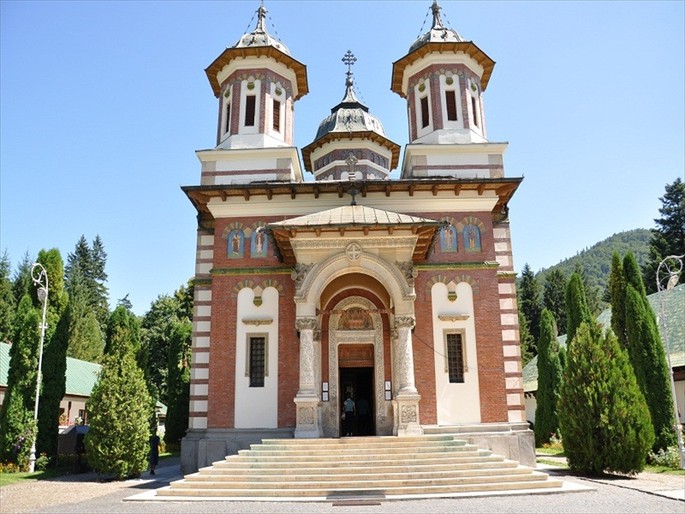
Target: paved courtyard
84,494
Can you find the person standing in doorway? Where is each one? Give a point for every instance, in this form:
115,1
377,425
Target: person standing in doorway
349,411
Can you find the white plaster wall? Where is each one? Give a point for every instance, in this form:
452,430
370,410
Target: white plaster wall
457,403
531,405
256,407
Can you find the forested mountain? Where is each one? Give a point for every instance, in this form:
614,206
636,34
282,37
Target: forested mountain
596,260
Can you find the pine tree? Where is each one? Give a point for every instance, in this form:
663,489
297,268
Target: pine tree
576,307
178,392
647,356
617,292
549,381
86,339
668,238
119,406
527,342
21,282
17,428
554,297
529,302
603,415
8,303
86,268
157,325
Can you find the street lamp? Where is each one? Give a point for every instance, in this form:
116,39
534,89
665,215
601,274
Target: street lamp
40,279
667,276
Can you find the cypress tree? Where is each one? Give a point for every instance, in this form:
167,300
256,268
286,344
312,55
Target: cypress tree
8,304
178,383
549,381
120,406
617,292
576,307
649,362
17,428
603,415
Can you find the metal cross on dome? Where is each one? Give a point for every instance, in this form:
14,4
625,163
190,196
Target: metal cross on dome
349,59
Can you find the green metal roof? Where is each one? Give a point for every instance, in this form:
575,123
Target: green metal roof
671,303
81,375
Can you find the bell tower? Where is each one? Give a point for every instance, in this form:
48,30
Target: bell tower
443,77
257,83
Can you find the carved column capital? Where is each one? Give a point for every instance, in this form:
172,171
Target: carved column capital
405,322
306,324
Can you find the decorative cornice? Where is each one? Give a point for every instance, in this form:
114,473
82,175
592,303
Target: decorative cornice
340,242
457,265
453,317
281,270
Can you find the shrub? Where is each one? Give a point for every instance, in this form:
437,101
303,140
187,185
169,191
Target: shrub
669,458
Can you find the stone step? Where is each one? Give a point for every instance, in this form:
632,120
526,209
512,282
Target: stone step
311,492
316,468
343,449
250,456
348,475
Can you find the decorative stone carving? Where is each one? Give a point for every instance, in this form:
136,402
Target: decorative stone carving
405,321
258,321
355,318
353,252
453,317
408,414
408,271
305,415
299,273
306,324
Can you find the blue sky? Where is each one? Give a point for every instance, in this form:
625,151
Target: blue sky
103,104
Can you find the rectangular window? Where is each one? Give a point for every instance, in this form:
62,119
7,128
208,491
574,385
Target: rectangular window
451,103
425,115
257,361
277,115
227,128
455,358
250,110
475,111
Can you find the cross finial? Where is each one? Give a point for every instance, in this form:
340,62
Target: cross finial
349,59
261,14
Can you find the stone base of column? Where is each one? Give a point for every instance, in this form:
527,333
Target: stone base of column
308,422
406,415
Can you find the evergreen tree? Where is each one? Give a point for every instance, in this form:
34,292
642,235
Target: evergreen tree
576,307
157,326
647,356
86,339
593,295
617,294
527,342
86,267
119,406
178,388
554,297
54,366
8,303
603,415
529,302
17,428
21,282
549,381
668,238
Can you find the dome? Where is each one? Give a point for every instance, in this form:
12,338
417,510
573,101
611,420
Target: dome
350,115
438,32
260,37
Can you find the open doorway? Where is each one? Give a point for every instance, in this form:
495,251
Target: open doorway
357,383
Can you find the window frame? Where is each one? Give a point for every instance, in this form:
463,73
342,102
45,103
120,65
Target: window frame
464,366
250,108
249,338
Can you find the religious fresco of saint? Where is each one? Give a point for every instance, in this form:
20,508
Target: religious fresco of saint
259,244
472,238
236,244
448,239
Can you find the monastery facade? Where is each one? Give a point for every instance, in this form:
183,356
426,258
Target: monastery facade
399,293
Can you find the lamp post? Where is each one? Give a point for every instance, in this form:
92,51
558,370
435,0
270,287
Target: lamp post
667,276
40,279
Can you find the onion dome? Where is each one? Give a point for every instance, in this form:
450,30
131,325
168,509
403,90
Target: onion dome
259,36
350,115
438,32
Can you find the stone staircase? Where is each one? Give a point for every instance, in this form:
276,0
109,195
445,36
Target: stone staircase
359,467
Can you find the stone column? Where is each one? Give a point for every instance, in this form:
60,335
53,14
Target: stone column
406,402
307,399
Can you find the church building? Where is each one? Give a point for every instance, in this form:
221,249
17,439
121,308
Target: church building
318,277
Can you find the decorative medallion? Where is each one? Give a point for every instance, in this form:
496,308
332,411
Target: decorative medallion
353,252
